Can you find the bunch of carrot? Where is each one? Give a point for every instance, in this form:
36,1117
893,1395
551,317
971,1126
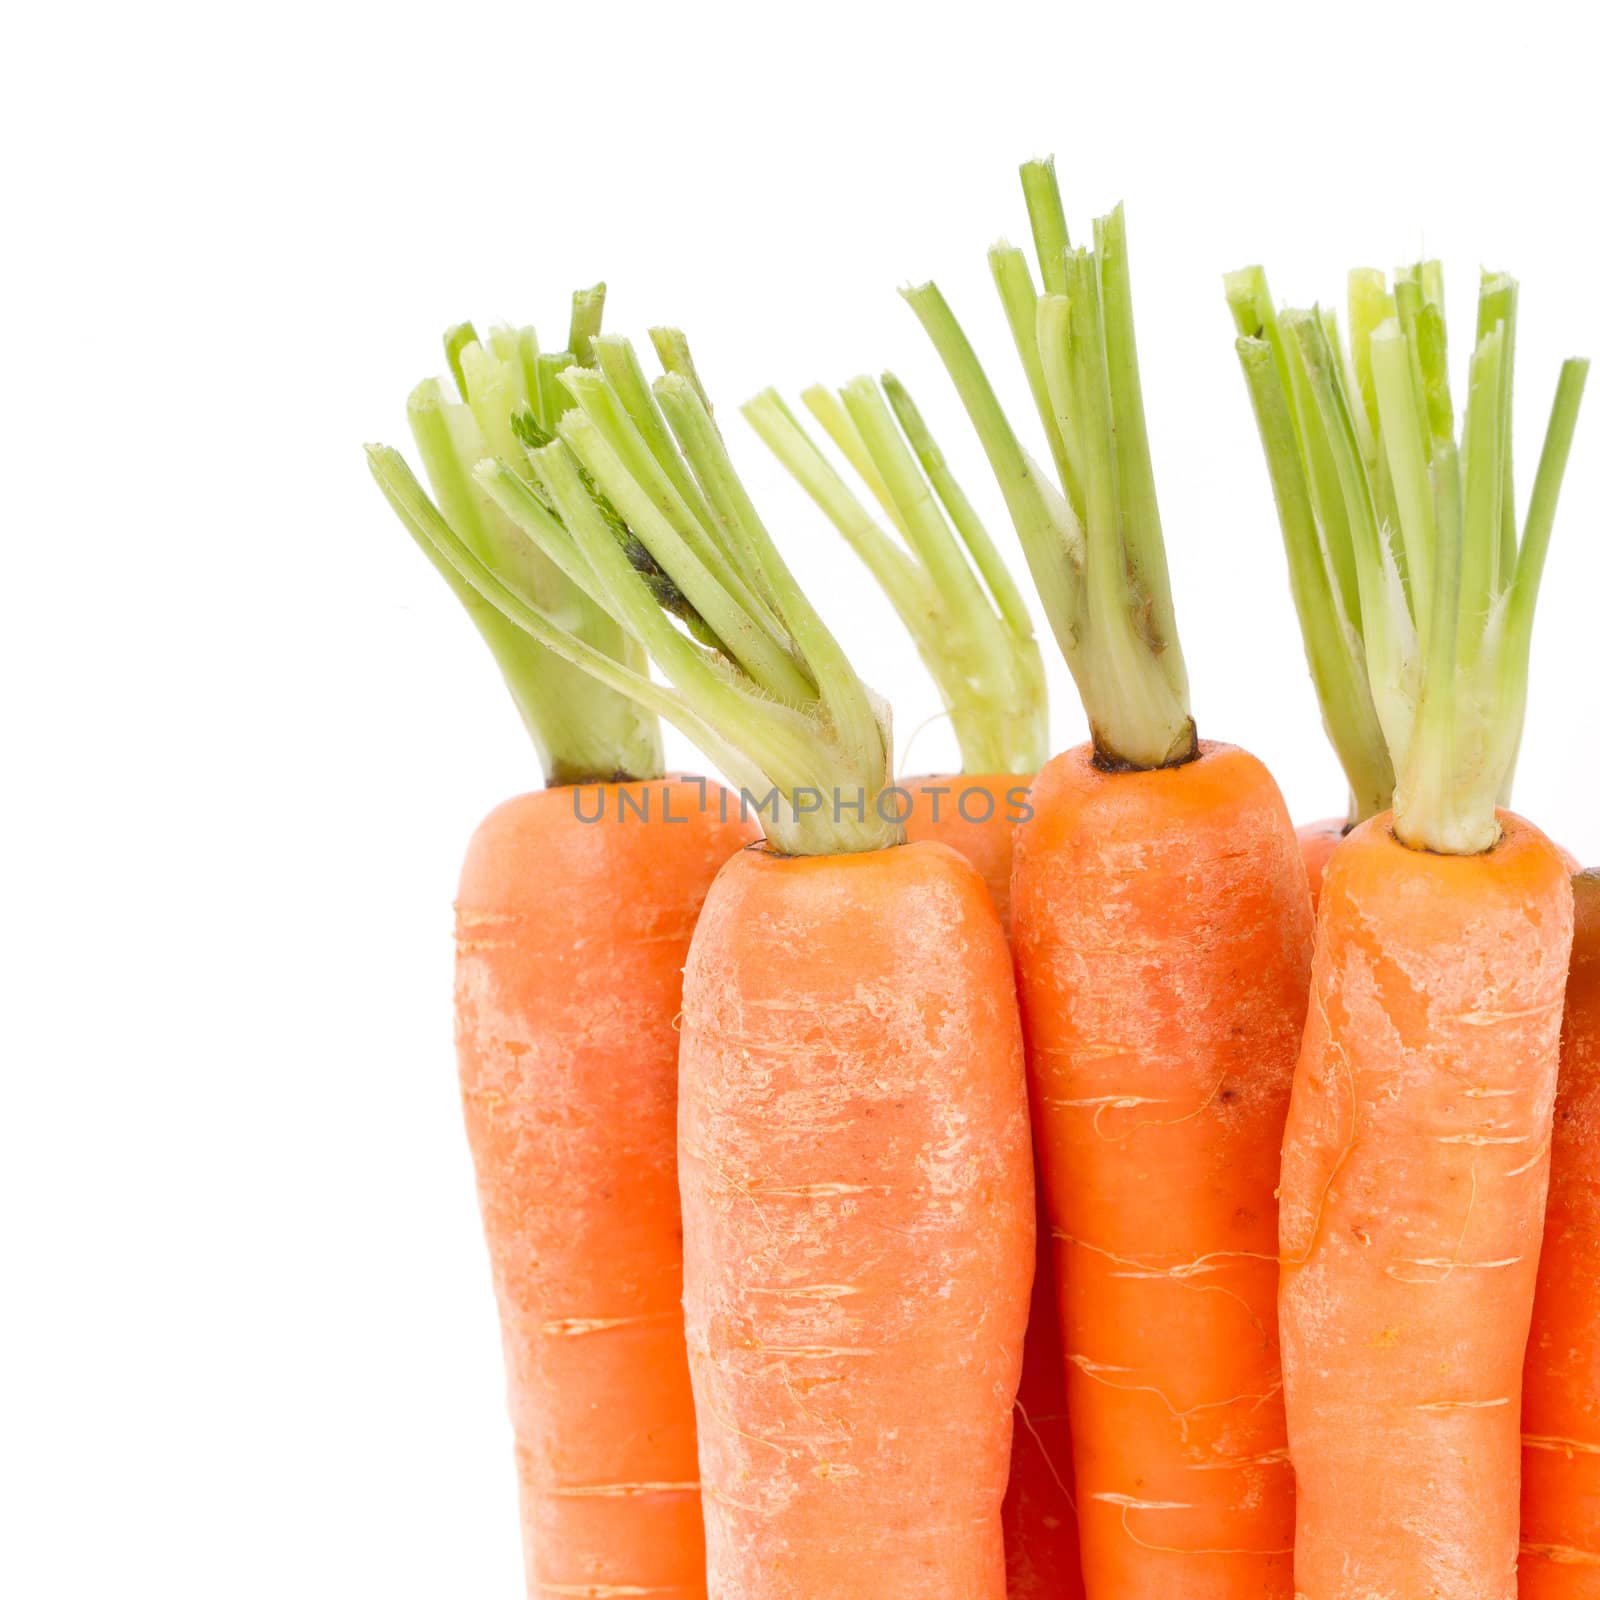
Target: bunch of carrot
1057,1178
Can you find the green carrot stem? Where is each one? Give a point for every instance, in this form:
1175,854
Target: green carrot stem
1446,589
987,669
1094,545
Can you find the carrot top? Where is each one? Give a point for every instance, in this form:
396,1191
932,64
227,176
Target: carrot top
1092,539
1416,596
951,590
581,728
624,487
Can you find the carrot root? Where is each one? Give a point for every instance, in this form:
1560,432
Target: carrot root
858,1215
1413,1189
571,937
1163,937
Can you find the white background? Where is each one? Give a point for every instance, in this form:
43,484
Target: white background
248,1342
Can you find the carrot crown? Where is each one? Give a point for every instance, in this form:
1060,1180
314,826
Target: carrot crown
951,590
1416,596
581,728
1092,538
625,488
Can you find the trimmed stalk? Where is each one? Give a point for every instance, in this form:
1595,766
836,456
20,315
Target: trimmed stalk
1093,543
1333,647
581,728
756,679
949,588
1447,591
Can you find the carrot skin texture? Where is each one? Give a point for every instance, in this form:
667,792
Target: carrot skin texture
1561,1379
570,941
1162,928
1413,1194
976,814
1318,841
858,1225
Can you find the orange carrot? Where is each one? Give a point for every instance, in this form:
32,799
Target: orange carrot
975,813
858,1225
1318,841
1413,1186
1162,932
571,935
1561,1380
971,627
1163,943
1418,1143
853,1137
573,923
1039,1516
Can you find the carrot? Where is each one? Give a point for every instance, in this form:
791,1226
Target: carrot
859,1225
1159,1121
1162,934
570,944
971,627
573,921
975,813
1413,1185
1418,1143
1318,841
853,1140
1560,1557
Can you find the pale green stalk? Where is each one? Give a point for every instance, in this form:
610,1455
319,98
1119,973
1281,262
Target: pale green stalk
978,647
756,678
1446,589
1093,544
1333,647
590,522
835,420
581,728
1021,302
588,306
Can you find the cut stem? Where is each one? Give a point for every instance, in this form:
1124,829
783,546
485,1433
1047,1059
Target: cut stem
1358,441
979,650
1094,543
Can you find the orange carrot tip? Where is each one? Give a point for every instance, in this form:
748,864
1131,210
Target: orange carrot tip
1415,593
